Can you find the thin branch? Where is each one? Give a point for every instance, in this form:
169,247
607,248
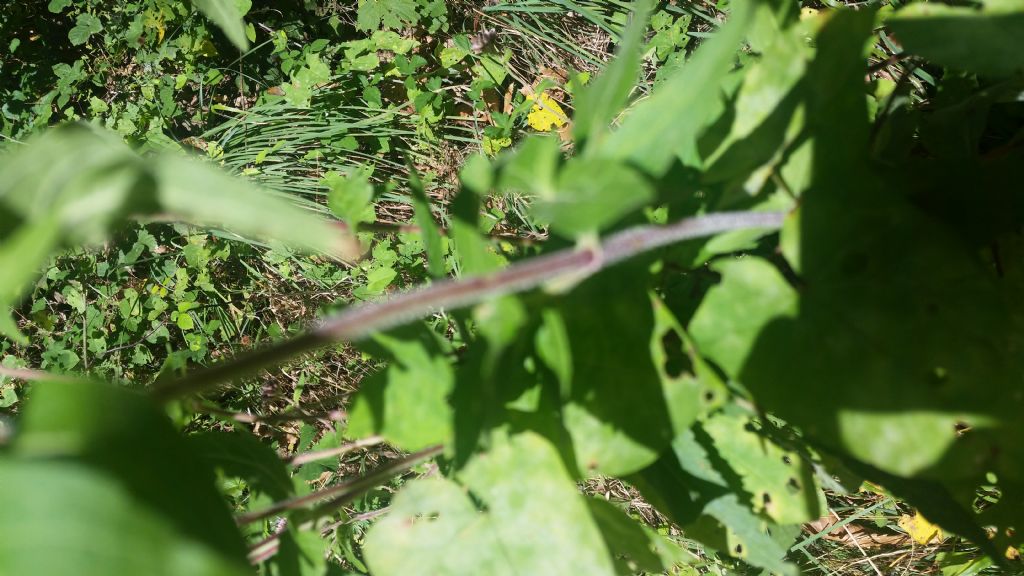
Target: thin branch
346,490
30,375
334,415
360,321
267,548
300,459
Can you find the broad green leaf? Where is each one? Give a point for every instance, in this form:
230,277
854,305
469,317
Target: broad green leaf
683,480
129,439
373,14
746,535
598,103
614,432
984,39
686,485
751,295
553,348
531,168
349,198
657,130
22,255
691,387
477,174
61,517
85,26
500,321
837,115
241,454
406,403
591,195
636,548
202,194
761,119
227,15
533,521
899,335
780,483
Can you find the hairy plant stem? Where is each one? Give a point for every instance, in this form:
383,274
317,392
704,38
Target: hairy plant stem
361,321
344,492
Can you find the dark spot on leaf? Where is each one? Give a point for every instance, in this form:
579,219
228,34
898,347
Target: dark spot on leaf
709,396
676,361
793,485
738,549
786,460
766,498
961,428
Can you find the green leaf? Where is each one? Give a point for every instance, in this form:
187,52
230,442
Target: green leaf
598,103
751,295
761,115
692,388
534,520
746,535
85,26
531,168
407,403
241,454
780,482
635,548
22,254
591,195
58,6
373,14
985,40
612,432
477,174
98,428
660,127
227,15
349,197
470,247
64,518
899,336
203,194
184,321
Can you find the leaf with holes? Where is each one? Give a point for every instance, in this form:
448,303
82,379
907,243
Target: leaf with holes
534,520
780,483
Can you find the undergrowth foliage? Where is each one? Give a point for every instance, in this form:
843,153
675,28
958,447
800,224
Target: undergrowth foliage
763,278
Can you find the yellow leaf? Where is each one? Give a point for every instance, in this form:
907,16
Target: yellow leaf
919,528
155,22
545,114
494,145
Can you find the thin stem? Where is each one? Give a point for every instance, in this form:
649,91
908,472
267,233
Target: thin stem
290,416
358,322
30,375
300,459
344,491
